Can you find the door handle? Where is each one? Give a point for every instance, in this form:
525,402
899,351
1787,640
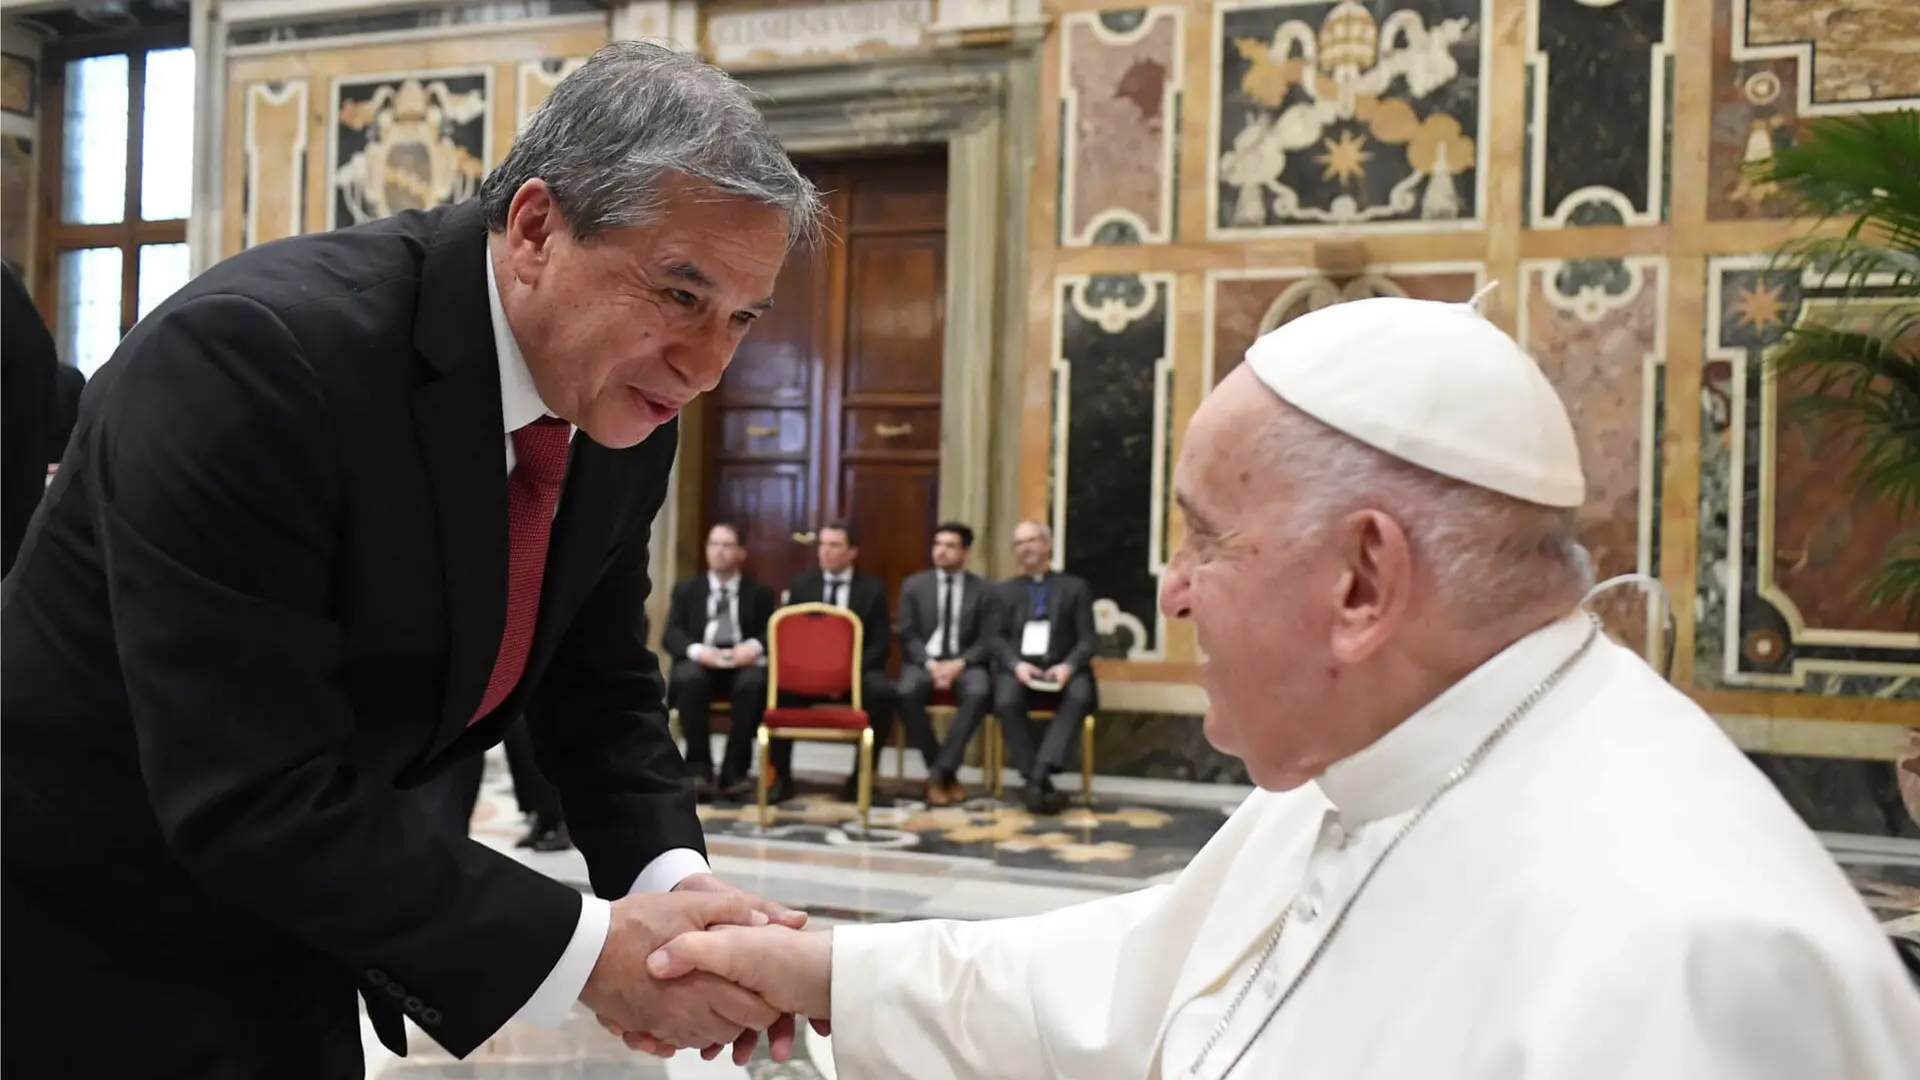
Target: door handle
892,431
758,431
805,537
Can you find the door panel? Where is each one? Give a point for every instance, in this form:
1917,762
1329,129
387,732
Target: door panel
894,507
768,502
831,407
895,308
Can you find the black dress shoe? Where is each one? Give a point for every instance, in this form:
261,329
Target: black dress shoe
782,790
546,836
554,839
736,787
1042,799
703,787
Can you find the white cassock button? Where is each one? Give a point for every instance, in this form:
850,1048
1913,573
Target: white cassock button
1307,908
1336,836
1271,986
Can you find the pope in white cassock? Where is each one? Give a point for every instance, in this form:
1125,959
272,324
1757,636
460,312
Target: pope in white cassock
1488,842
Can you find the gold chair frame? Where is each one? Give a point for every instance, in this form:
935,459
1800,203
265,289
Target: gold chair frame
768,733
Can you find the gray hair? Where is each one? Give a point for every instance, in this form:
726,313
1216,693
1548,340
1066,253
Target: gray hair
1490,554
1045,531
633,116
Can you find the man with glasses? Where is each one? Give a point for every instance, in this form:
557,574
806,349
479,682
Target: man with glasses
716,635
1043,644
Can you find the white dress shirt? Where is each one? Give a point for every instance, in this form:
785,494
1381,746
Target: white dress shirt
520,405
944,634
714,585
834,588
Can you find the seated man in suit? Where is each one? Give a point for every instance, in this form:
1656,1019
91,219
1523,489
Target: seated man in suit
716,633
1043,641
942,615
837,582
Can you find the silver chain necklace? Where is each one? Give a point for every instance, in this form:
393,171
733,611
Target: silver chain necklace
1459,773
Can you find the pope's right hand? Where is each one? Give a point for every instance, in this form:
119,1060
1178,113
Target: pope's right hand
699,1010
791,970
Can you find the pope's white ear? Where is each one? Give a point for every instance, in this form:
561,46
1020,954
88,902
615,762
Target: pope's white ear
1481,294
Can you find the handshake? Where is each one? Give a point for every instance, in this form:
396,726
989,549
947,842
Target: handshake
707,966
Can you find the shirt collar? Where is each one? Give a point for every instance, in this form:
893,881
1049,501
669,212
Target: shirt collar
1409,763
520,402
715,581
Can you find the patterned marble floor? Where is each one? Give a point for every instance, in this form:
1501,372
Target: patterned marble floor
978,861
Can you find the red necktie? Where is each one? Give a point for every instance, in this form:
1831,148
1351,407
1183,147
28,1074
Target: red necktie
533,491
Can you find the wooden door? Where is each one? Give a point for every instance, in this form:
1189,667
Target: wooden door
831,408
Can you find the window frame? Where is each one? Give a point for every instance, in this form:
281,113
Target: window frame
54,235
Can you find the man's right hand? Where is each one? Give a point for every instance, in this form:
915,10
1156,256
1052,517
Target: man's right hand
1026,673
713,658
699,1010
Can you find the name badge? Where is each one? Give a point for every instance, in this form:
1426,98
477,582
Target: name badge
1036,638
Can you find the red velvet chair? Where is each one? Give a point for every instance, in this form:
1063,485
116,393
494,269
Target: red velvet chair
814,650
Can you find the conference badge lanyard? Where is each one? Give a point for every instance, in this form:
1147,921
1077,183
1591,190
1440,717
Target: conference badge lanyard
1036,638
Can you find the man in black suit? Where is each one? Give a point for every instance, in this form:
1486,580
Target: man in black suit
326,527
716,639
1043,643
944,617
840,583
29,372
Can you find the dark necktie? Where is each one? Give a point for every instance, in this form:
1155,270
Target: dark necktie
726,633
948,646
533,491
834,593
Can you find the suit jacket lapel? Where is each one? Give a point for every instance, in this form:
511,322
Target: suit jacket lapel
463,442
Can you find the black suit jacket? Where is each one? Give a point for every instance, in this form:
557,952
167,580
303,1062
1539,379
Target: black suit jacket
29,369
1071,639
866,598
687,614
267,590
920,616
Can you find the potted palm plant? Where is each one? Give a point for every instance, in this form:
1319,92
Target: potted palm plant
1859,368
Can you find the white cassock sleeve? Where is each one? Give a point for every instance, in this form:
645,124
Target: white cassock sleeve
1077,992
1081,993
1733,1001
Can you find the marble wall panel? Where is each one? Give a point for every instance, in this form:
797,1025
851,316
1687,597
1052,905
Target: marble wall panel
537,79
1598,81
274,186
1777,63
408,141
1110,443
1244,304
1119,121
1785,543
1161,746
1597,327
1361,116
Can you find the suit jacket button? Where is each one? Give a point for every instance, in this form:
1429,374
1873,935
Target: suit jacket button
413,1005
376,977
429,1016
396,990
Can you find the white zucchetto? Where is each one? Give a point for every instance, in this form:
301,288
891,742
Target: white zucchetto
1434,384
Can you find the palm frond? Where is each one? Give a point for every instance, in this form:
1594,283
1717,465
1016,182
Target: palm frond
1853,265
1896,583
1865,167
1866,394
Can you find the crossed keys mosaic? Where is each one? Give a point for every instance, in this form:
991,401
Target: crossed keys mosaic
409,142
1346,114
